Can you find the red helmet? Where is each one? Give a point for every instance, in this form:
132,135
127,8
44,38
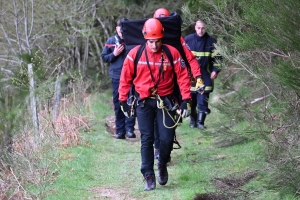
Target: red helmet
161,12
153,29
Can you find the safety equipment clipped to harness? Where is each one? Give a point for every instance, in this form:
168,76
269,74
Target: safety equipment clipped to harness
170,103
199,86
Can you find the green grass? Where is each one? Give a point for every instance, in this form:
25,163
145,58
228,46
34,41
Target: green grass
103,163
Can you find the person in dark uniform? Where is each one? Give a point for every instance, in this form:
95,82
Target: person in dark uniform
114,53
202,46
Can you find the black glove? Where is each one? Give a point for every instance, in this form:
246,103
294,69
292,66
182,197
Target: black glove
125,108
185,108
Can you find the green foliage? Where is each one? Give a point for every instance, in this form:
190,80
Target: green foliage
274,23
36,59
288,74
141,2
260,46
11,106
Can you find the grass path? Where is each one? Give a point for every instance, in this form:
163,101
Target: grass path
105,168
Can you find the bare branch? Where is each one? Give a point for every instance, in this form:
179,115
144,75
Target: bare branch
280,55
17,24
259,99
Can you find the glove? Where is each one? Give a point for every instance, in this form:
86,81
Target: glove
200,85
185,108
125,108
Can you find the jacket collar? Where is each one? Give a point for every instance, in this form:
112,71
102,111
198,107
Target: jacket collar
117,36
201,38
151,52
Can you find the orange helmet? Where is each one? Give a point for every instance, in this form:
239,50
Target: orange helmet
153,29
161,12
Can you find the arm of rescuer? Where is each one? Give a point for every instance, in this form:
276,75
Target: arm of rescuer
216,60
183,78
107,54
126,78
195,67
183,81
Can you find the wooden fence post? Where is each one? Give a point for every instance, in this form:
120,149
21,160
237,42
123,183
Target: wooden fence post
33,104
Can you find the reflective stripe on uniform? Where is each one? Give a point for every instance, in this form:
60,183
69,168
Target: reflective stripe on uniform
216,53
201,53
208,88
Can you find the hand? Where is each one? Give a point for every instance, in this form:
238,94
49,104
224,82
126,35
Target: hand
118,50
214,75
185,108
200,85
125,108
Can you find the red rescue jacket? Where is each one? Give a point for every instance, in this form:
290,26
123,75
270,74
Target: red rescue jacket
143,81
191,58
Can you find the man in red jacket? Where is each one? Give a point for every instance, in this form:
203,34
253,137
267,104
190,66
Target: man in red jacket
196,79
154,84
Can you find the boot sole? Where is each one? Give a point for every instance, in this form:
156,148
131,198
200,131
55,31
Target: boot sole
131,136
149,189
163,183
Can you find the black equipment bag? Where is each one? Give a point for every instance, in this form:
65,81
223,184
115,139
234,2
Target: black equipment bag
132,35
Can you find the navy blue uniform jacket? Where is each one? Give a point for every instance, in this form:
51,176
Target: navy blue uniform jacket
204,50
116,62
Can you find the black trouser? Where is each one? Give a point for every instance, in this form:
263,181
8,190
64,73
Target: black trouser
146,113
156,135
200,101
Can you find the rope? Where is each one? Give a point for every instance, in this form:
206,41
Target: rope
160,105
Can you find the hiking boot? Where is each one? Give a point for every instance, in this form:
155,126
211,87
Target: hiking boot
150,182
130,134
201,126
193,119
120,136
162,173
201,119
192,124
156,154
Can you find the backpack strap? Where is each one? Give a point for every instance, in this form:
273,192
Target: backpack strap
137,57
169,55
176,91
136,60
